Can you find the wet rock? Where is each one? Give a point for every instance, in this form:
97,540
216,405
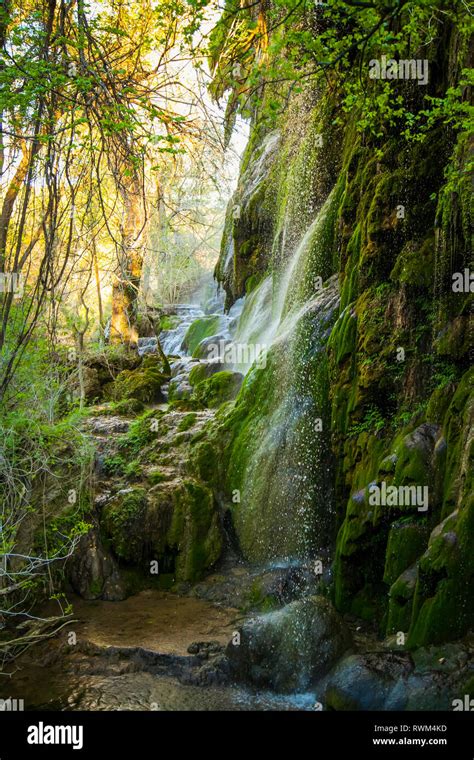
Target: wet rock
368,682
182,367
291,648
429,679
401,599
93,573
108,365
202,370
406,542
262,589
174,522
179,389
108,426
147,345
143,383
212,348
204,327
204,648
214,671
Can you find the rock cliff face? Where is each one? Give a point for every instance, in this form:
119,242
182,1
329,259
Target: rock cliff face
390,378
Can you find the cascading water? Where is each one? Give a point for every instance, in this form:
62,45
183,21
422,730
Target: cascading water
273,309
172,339
285,500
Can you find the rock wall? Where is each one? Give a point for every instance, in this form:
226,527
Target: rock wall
398,382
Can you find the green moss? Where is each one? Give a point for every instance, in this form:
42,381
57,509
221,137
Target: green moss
204,461
178,527
156,476
443,607
258,599
220,387
132,469
143,384
169,321
438,403
414,265
142,431
95,589
401,602
459,475
118,465
187,422
413,465
122,521
198,374
320,261
201,328
113,465
407,540
252,282
195,531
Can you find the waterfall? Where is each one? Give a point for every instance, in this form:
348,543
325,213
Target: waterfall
273,309
285,503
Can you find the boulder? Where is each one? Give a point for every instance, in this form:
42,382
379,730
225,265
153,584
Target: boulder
291,648
368,682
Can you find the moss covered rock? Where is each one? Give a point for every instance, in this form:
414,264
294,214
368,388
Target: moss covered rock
443,606
143,383
218,388
203,370
201,328
406,542
400,605
122,521
175,524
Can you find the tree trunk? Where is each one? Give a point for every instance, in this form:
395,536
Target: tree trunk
97,284
9,201
123,328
